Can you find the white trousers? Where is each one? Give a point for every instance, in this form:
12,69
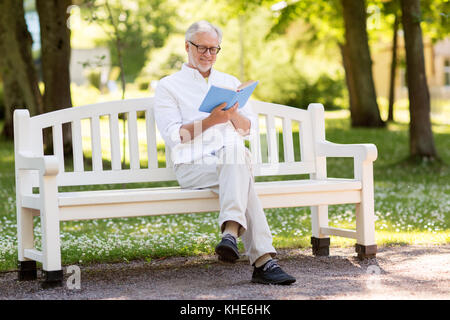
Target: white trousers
229,174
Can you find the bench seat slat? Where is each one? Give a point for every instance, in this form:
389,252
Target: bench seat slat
173,200
205,202
269,188
173,193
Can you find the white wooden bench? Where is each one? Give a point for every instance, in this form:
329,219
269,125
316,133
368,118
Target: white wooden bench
47,172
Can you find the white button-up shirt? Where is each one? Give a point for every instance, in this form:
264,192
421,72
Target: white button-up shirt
177,99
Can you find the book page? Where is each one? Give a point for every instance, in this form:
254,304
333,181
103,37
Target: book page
245,84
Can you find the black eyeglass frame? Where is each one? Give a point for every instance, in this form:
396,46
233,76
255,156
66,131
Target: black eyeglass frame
206,48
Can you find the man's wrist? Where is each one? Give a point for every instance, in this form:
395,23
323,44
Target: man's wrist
207,123
242,124
240,118
235,117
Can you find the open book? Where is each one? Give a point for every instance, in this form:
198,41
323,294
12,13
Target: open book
217,95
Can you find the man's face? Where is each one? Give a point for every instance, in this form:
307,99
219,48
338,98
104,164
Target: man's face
202,61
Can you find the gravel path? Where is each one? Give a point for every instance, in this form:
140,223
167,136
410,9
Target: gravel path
405,272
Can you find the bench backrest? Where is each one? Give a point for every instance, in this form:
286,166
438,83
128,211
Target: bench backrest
103,118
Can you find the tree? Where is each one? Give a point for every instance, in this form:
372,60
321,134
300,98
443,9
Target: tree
436,26
124,26
328,24
55,48
240,9
420,134
17,70
132,29
358,66
392,8
393,68
21,87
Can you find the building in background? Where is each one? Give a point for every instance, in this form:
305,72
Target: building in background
88,63
437,66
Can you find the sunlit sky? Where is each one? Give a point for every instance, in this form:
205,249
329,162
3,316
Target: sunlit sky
32,20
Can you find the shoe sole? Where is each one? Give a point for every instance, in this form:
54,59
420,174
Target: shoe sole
226,254
282,282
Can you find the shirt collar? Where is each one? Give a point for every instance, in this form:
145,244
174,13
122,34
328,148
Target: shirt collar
194,72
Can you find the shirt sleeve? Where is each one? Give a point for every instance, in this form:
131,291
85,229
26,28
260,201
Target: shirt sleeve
167,115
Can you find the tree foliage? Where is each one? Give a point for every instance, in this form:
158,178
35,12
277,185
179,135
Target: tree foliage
435,18
342,23
140,25
20,80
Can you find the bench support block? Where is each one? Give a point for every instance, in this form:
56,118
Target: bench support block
52,279
27,270
366,252
320,246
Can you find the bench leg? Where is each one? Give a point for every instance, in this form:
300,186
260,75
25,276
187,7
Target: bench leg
25,240
365,211
52,279
366,247
27,270
51,248
320,242
366,252
320,246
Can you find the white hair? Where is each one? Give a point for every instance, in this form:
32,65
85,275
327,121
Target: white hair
202,26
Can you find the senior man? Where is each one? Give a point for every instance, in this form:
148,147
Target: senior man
208,151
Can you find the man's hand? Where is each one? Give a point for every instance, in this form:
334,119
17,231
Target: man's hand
218,115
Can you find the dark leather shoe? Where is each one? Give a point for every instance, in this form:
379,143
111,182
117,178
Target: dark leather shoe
271,273
227,249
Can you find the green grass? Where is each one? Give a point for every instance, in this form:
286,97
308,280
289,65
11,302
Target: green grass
412,206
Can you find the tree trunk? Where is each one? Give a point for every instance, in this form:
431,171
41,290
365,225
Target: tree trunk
12,99
393,69
55,44
420,133
365,108
16,64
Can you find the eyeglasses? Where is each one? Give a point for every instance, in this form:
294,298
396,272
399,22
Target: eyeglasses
202,49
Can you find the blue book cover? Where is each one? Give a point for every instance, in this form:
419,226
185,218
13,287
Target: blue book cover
218,95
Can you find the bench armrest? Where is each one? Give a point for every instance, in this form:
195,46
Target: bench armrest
364,152
47,165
